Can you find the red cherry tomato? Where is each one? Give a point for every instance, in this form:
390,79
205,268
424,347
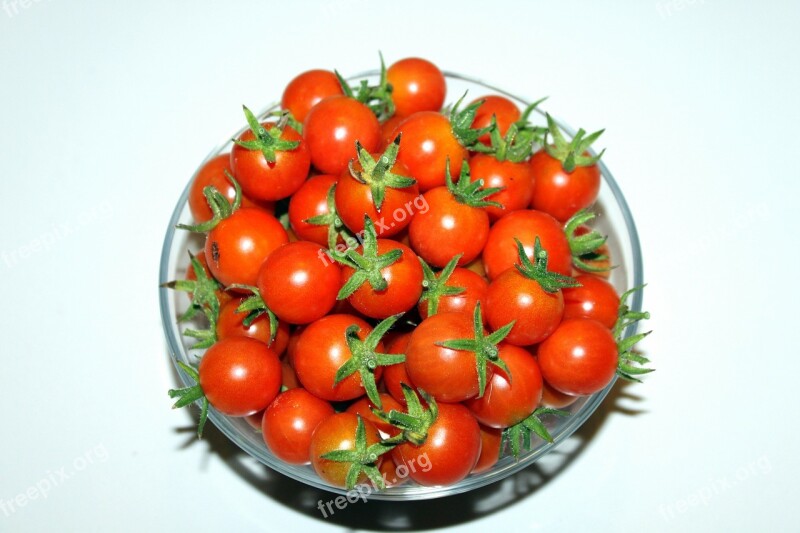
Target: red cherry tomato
418,85
561,193
290,421
515,179
475,291
230,324
555,399
364,406
338,432
213,173
395,375
595,298
309,201
504,110
491,439
307,89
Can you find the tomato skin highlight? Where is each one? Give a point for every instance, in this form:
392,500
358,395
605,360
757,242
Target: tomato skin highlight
595,298
297,282
579,358
448,228
290,421
450,451
240,376
265,181
307,89
332,128
516,180
427,143
418,85
513,296
500,252
320,351
446,374
507,402
239,244
338,432
561,193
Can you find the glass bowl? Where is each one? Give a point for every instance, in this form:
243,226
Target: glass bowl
614,219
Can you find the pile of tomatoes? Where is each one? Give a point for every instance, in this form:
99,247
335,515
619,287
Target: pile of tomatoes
393,287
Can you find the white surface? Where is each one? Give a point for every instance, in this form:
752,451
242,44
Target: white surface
107,107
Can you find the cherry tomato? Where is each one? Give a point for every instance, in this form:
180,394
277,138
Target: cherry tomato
338,432
389,130
307,89
404,284
446,374
595,298
475,291
515,179
515,297
428,141
332,128
230,324
579,358
240,376
418,85
364,406
269,181
501,252
238,245
491,439
290,421
603,266
450,451
309,201
508,401
504,110
298,283
321,349
561,193
448,228
555,399
213,173
395,375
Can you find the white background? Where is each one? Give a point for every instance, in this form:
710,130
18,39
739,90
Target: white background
107,108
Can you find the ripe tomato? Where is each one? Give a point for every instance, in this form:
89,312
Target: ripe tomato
298,283
504,110
600,262
332,128
555,399
595,298
238,245
561,193
264,180
338,432
364,406
491,440
428,141
446,374
389,128
500,252
513,296
516,180
213,174
309,201
508,401
395,375
307,89
230,324
290,421
404,284
240,376
417,85
321,349
475,291
448,228
450,451
579,358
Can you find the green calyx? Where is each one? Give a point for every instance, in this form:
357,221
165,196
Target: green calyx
362,459
627,367
435,287
368,264
378,174
377,97
537,271
267,141
365,359
220,207
333,221
584,248
469,192
461,125
254,306
518,437
483,346
203,291
285,114
571,154
188,395
416,421
517,144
